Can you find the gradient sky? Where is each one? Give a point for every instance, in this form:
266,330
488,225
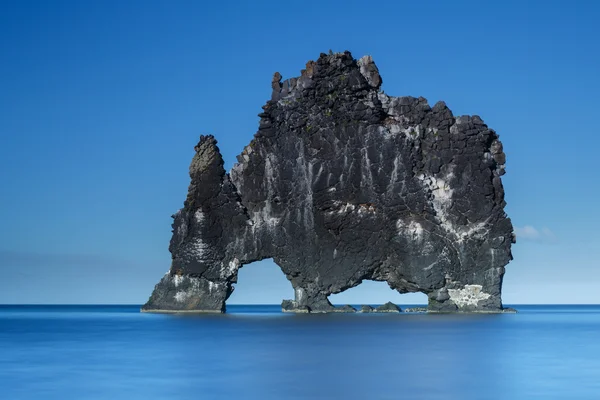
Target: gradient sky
102,102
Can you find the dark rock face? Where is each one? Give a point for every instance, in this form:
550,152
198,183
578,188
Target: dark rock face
366,309
343,183
388,307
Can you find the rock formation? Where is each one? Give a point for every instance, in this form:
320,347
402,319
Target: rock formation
388,307
366,309
343,183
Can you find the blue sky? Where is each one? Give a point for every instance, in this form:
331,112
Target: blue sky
101,103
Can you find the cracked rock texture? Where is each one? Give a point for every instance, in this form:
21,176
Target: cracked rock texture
343,183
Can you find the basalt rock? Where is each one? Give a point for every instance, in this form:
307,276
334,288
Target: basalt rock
345,309
416,310
388,307
289,306
343,183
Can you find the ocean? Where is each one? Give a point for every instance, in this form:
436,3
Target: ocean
257,352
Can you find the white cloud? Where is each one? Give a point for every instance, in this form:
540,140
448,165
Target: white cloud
528,232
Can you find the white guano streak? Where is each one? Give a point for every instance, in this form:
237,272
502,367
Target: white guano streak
441,203
470,295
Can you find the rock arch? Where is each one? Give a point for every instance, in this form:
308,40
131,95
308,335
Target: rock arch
343,183
370,292
260,282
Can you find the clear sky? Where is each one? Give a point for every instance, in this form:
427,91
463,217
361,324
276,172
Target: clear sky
102,102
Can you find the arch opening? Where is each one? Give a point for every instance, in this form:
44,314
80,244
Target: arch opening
260,283
375,293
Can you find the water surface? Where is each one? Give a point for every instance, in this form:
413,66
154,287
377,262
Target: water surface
256,352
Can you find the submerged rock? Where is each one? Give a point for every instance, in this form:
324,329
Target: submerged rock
388,307
343,183
415,310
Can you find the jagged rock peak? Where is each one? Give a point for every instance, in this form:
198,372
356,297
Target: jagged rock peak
343,183
337,70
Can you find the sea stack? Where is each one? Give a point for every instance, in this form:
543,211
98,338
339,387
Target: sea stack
343,183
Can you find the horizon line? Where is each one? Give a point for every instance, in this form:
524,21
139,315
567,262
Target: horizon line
279,304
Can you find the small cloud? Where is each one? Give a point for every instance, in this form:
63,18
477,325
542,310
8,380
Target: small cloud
547,233
528,232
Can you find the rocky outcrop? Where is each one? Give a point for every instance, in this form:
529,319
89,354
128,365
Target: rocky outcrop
366,309
345,309
388,307
343,183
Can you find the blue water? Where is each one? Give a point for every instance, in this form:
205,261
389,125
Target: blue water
256,352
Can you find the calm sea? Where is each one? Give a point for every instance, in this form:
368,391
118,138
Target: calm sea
256,352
